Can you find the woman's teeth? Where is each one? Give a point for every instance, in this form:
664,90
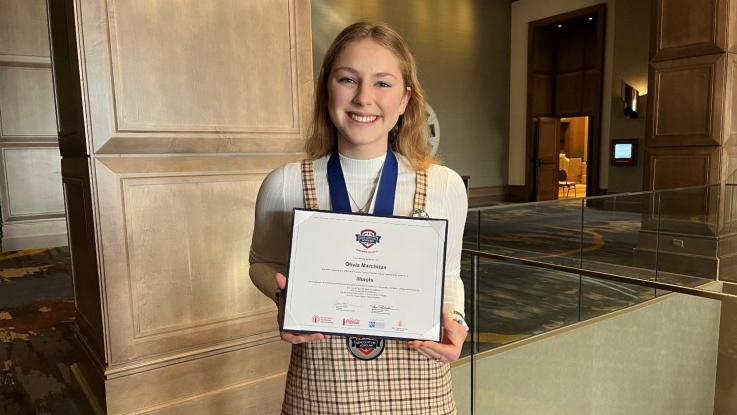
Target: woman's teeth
363,118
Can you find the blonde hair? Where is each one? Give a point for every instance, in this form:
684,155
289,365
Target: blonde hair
409,137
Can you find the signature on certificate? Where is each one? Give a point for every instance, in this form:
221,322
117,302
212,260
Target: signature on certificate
381,308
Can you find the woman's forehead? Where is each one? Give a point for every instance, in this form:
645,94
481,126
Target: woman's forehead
367,55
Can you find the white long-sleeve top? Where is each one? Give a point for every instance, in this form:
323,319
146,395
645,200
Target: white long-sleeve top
281,192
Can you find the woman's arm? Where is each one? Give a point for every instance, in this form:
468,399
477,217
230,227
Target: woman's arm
455,204
269,246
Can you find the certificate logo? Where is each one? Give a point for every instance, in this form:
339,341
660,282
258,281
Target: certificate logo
375,324
351,322
318,319
368,238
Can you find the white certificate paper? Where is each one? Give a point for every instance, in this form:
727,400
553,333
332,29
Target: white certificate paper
365,275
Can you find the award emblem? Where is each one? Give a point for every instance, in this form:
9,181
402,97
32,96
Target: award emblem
365,348
368,238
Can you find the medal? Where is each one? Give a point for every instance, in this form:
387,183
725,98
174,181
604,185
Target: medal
364,348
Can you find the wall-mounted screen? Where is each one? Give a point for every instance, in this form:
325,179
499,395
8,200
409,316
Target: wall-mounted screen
623,152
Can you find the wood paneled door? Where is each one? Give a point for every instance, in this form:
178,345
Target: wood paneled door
547,148
565,79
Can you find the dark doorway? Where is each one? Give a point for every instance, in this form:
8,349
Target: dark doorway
564,83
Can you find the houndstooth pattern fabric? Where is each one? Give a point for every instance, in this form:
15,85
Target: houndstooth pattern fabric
308,185
325,378
421,191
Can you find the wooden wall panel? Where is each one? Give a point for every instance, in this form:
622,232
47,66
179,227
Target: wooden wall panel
176,233
543,50
694,211
730,109
32,182
687,101
689,28
542,95
571,48
145,96
683,167
87,285
67,83
187,238
243,381
23,32
591,91
569,93
542,65
160,239
732,26
729,203
26,102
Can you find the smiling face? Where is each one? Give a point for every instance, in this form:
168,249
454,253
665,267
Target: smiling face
366,96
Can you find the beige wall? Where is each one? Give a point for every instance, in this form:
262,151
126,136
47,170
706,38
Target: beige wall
632,362
524,12
725,402
30,167
462,50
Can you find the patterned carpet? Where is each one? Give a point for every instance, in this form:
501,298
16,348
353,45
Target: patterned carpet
36,333
515,302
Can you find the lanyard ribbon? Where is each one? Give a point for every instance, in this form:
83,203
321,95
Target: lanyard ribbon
384,194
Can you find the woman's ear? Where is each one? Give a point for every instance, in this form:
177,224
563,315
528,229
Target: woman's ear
405,100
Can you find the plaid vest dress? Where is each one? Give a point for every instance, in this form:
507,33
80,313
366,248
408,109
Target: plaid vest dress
325,378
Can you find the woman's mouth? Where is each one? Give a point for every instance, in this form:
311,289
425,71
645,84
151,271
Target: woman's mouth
364,119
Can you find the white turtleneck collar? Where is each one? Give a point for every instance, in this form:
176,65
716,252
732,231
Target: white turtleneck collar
368,168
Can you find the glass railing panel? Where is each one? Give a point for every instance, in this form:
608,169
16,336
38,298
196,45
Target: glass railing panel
688,235
544,231
618,237
471,231
467,275
516,302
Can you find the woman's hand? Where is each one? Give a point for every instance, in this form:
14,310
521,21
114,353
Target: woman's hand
449,349
293,338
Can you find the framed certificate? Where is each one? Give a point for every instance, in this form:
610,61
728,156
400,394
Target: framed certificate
354,274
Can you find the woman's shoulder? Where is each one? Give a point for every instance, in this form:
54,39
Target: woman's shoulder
282,173
443,174
288,177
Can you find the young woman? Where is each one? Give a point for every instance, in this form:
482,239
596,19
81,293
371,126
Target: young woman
367,100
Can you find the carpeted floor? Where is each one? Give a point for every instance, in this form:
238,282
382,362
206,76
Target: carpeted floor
36,333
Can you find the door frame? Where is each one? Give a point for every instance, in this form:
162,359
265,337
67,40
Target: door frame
593,163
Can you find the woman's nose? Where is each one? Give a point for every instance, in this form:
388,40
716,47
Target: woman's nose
363,95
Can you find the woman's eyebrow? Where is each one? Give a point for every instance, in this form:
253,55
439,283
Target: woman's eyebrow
376,75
